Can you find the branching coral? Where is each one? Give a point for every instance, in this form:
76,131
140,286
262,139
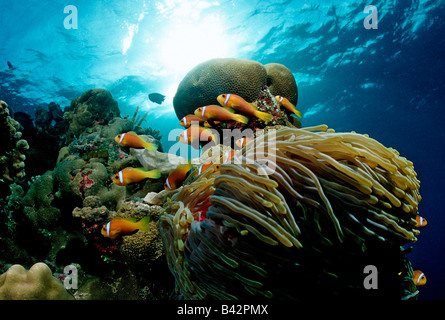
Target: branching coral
298,214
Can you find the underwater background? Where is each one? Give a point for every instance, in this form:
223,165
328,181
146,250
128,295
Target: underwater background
387,82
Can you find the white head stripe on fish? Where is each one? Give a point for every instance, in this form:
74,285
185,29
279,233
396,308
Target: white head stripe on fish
108,228
226,156
200,169
185,120
185,136
242,141
227,99
203,110
121,177
122,137
281,99
421,221
168,183
420,277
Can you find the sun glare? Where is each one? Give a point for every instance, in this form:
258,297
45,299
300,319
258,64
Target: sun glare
186,44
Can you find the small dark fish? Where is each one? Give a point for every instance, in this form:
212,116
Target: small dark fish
27,125
156,98
10,65
22,115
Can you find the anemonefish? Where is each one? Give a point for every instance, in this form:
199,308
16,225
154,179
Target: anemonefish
239,104
209,124
241,142
132,175
124,226
187,120
177,176
203,168
282,101
227,156
194,134
214,112
420,222
419,278
132,140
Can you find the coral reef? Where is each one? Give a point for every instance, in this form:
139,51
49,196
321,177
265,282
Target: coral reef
68,185
316,205
37,283
124,286
93,105
46,137
57,215
141,249
12,156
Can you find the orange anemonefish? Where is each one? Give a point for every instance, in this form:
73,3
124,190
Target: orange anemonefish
419,278
133,175
241,142
208,124
227,156
420,222
214,112
177,176
282,101
195,134
239,104
187,120
124,226
203,168
132,140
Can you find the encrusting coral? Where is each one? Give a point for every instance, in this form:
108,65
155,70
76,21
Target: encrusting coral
12,156
37,283
298,214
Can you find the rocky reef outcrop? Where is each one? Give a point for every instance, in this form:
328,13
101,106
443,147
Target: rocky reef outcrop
95,105
12,154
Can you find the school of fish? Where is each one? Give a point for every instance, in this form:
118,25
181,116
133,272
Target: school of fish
232,108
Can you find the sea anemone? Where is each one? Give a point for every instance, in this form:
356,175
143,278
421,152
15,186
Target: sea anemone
298,213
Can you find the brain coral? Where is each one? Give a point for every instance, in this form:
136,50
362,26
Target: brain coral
281,81
209,79
246,78
37,283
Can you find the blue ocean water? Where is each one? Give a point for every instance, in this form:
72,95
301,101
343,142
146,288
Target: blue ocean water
386,81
